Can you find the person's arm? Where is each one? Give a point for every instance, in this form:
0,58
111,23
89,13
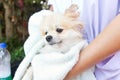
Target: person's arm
107,42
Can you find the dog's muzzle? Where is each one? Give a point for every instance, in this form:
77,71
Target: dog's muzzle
50,40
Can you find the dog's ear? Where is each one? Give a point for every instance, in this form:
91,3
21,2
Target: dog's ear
72,12
77,26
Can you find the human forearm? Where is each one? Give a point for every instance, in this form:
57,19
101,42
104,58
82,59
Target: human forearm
104,45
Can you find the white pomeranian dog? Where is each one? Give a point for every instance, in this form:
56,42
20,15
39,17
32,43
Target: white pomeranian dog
59,33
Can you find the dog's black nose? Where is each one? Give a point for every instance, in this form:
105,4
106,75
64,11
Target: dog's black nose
49,38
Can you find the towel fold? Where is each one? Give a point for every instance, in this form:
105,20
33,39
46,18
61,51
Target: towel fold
27,60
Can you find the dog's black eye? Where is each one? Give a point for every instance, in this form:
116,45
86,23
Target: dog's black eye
59,30
46,33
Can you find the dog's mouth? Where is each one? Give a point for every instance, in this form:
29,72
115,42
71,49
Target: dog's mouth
53,42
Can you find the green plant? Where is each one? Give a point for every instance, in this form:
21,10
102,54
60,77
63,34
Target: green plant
17,54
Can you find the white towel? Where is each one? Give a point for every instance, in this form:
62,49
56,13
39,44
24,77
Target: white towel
52,66
55,66
27,60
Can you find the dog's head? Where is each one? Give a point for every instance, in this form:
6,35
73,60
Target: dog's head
61,31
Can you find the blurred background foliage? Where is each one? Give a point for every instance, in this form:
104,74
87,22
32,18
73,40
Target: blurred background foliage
14,16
